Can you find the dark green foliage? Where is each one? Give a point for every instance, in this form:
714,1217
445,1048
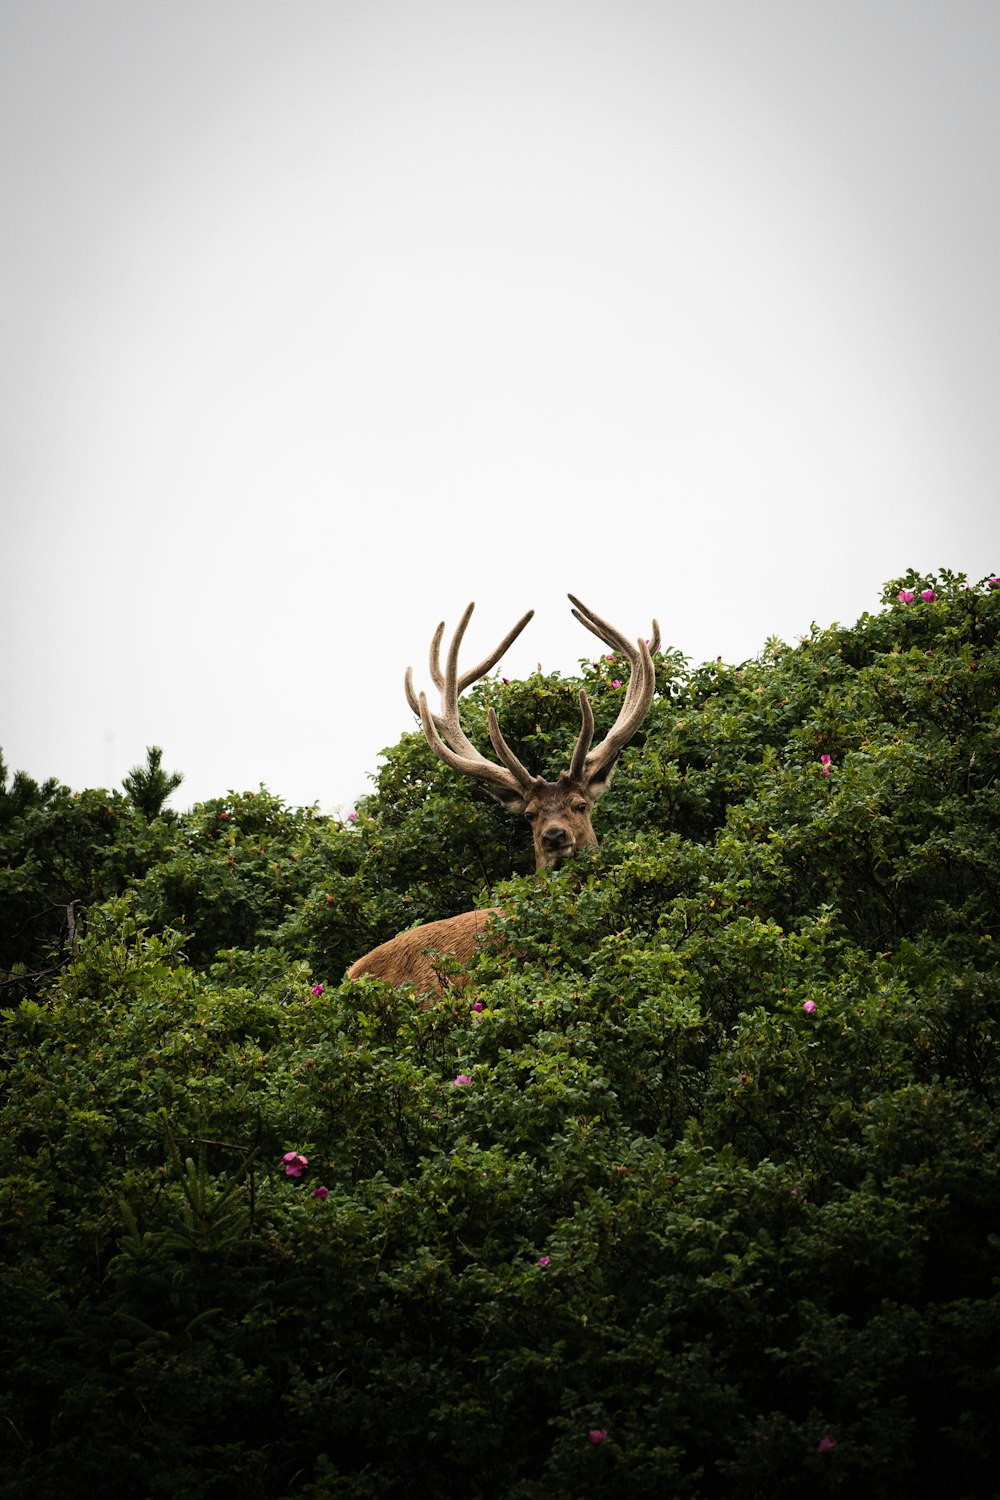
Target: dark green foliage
233,870
705,1159
60,852
149,786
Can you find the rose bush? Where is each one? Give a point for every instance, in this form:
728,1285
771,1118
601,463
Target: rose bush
693,1192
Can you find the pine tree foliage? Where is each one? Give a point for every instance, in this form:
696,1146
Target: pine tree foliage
149,786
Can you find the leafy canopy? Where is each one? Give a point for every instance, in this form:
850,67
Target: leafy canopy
692,1190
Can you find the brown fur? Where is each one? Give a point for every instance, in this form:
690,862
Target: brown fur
404,959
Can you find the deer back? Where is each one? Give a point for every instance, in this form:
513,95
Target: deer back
411,957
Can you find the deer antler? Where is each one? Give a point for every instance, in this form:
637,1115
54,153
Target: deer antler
558,811
595,765
511,780
444,732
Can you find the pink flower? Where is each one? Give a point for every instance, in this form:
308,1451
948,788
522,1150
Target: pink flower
295,1164
929,595
824,761
352,817
321,1193
316,989
905,597
826,1444
993,582
616,682
543,1260
477,1005
597,1435
461,1081
506,681
809,1006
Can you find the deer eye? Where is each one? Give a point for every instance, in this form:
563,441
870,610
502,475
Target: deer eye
581,807
531,816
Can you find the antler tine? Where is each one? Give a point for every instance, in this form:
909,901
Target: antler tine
631,714
520,772
436,675
467,678
587,764
612,637
489,662
473,675
444,732
475,765
411,696
453,685
584,738
607,633
435,658
414,702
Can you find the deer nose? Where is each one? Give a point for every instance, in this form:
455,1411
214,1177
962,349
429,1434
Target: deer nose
555,837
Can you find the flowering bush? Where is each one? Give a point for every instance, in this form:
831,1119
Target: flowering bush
736,1072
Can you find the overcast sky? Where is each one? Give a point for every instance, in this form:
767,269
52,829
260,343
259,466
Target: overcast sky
319,319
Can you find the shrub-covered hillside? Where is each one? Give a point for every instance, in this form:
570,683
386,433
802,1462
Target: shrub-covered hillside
691,1191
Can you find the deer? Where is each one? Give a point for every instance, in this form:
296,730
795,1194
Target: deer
558,812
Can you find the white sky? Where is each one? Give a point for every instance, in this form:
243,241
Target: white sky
319,319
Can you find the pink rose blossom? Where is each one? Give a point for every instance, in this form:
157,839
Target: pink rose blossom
905,597
826,1444
809,1006
477,1005
316,989
824,761
461,1080
993,582
929,595
295,1164
597,1435
321,1193
543,1260
352,817
616,682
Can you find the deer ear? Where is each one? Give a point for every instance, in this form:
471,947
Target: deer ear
601,780
512,800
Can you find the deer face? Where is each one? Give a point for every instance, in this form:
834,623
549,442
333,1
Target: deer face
559,815
558,811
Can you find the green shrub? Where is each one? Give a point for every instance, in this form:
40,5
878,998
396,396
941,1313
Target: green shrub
692,1191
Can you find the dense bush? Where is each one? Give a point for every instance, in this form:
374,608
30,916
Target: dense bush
693,1191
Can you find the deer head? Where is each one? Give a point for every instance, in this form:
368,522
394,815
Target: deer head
558,811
